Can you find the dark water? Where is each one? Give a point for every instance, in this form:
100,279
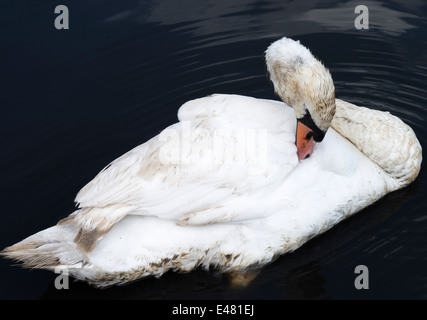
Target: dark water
74,100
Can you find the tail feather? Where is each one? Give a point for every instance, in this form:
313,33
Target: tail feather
47,249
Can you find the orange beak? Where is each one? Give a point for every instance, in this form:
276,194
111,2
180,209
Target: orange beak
304,141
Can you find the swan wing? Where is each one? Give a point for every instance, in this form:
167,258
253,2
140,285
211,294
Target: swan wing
224,155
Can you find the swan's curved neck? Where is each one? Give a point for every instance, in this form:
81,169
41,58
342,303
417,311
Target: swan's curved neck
301,81
383,138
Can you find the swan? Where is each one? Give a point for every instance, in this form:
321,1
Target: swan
237,182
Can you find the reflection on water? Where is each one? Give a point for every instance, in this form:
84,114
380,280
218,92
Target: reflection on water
246,19
341,18
78,100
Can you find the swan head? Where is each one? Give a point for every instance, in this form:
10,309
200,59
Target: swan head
304,84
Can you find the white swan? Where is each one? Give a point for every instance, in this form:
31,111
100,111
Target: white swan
224,187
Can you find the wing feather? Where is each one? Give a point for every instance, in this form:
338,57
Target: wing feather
204,169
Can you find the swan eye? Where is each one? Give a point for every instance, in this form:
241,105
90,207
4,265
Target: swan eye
309,135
